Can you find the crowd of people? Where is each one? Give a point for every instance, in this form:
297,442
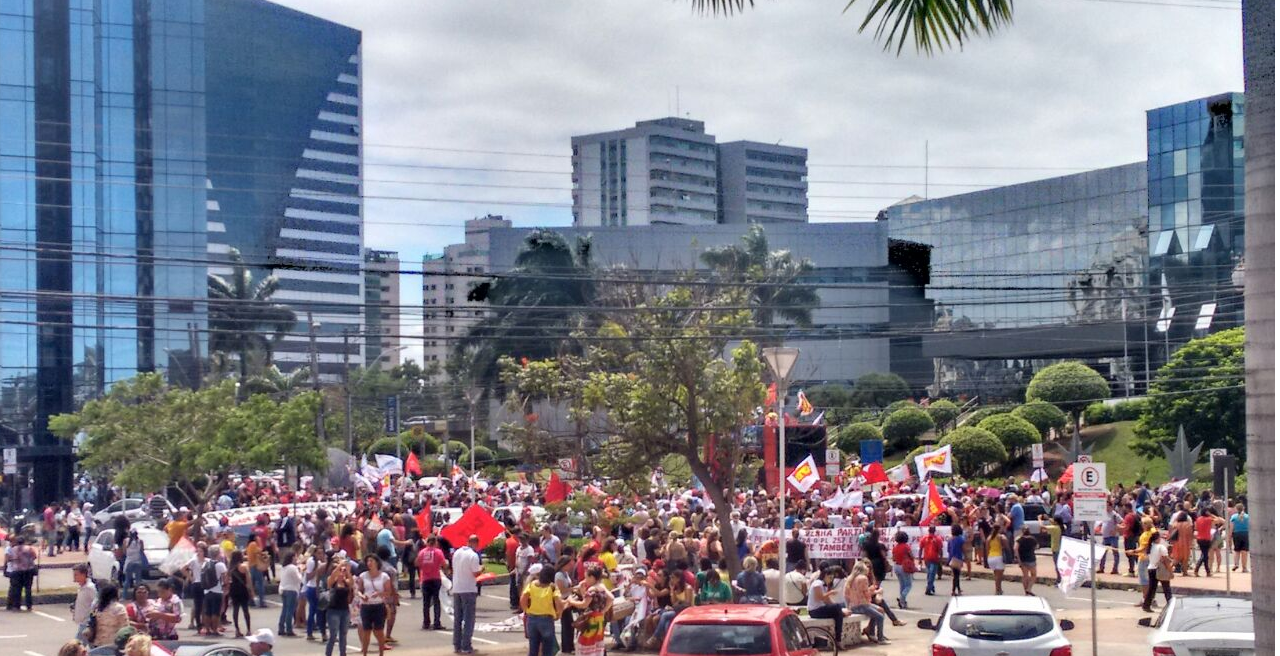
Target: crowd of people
624,569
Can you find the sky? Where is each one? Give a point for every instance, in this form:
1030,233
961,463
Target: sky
1062,89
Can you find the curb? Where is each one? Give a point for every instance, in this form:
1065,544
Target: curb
1125,586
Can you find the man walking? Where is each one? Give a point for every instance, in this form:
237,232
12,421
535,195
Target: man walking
931,554
86,596
466,566
429,561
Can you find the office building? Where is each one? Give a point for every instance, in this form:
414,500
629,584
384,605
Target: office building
102,207
382,343
849,333
284,166
670,171
447,313
763,183
1117,267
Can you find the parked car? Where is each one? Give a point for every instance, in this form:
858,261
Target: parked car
512,513
133,508
738,630
1010,626
102,559
1203,626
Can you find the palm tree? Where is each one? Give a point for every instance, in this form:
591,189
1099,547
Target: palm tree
276,383
775,275
929,24
548,273
242,318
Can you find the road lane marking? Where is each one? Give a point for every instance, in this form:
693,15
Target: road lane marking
273,603
917,612
487,642
52,617
12,637
32,653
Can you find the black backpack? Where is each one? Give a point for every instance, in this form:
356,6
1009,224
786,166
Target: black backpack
209,575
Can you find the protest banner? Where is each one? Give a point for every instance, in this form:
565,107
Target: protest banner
1074,563
248,516
836,543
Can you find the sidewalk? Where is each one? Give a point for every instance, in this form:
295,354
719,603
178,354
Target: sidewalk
1241,583
66,559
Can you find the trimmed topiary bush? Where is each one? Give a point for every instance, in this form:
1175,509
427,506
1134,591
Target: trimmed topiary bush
1098,413
1014,432
898,405
484,455
973,449
456,450
978,415
850,437
1042,415
902,429
942,412
1129,410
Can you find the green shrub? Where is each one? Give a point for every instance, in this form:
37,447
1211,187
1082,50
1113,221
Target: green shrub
1013,432
496,552
903,428
1068,385
986,411
1128,410
1042,415
484,455
877,390
456,450
898,405
942,412
850,437
972,449
1098,413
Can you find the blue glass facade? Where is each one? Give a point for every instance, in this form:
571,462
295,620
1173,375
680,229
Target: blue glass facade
101,186
1195,180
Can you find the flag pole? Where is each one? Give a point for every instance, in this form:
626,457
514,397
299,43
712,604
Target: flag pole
1093,590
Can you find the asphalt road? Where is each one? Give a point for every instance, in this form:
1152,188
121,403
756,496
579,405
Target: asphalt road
43,631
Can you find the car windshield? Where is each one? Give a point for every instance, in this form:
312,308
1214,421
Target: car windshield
735,639
154,540
1001,625
1206,620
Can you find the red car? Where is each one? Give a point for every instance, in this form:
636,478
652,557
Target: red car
742,630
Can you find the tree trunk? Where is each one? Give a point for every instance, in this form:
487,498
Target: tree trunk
724,508
1259,290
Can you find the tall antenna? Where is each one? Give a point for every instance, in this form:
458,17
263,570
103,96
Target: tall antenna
677,100
926,169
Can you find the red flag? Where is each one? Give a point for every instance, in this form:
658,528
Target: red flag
771,397
874,473
474,521
411,465
933,505
424,521
557,490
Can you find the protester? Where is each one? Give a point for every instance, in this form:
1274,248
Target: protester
430,563
1159,570
904,567
373,591
542,605
108,617
340,585
290,588
1240,538
86,595
465,567
1026,549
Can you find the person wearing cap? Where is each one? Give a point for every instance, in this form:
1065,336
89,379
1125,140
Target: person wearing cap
261,643
466,567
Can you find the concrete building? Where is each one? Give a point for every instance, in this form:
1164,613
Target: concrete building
382,344
849,335
670,171
763,183
446,312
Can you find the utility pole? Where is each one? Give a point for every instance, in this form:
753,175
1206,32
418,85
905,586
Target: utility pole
312,326
346,387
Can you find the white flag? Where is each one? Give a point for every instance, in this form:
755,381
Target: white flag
805,475
388,465
938,460
1074,563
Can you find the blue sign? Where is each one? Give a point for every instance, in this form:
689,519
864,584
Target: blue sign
871,451
391,421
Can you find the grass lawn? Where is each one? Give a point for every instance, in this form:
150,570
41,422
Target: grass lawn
1123,465
497,568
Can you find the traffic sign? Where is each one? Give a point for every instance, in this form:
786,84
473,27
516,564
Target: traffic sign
1084,457
833,462
1037,456
391,419
1090,487
10,461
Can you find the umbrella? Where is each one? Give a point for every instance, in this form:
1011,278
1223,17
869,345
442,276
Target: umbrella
1069,475
1039,475
989,492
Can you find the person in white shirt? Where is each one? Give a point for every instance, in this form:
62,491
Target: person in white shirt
213,575
86,596
524,558
290,587
795,584
466,567
1159,570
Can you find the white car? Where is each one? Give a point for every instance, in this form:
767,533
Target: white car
102,559
513,513
1203,626
134,509
1007,625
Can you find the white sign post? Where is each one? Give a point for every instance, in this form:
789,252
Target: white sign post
1037,456
833,462
10,461
1090,487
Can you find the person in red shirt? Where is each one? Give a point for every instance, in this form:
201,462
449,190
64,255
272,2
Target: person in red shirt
1205,524
1131,532
931,553
513,587
903,566
429,561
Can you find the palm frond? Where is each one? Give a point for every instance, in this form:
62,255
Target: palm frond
933,24
718,7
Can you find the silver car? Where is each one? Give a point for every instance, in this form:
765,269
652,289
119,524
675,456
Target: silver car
998,626
1202,626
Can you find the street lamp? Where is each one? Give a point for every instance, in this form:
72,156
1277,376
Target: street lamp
781,360
473,395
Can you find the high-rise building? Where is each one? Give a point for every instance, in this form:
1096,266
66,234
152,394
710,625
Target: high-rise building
763,183
102,209
284,153
670,171
447,313
382,309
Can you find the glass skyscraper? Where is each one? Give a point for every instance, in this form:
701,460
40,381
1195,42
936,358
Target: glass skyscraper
139,138
102,205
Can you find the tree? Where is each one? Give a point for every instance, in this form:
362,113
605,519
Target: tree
484,455
456,450
974,449
898,405
276,383
774,274
657,382
942,412
835,400
877,390
929,24
1200,389
850,436
902,430
533,308
1069,385
1042,415
1014,432
974,418
148,436
242,317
